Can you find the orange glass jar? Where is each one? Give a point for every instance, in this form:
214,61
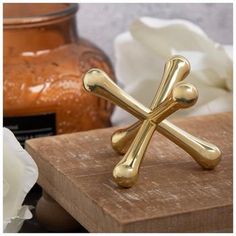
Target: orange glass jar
44,62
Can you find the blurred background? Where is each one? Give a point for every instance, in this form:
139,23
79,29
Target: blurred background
102,22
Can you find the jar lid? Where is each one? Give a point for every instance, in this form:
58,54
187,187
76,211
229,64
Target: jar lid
18,15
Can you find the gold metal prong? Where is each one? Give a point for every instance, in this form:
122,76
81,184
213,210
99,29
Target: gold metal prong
133,141
126,171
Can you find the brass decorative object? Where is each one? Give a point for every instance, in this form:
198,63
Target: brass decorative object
133,141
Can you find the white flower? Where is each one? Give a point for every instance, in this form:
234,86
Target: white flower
19,175
142,53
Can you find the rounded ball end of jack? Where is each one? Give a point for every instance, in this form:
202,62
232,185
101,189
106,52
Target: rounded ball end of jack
185,94
210,161
124,176
92,79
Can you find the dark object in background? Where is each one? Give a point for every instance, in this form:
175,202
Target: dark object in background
44,61
32,225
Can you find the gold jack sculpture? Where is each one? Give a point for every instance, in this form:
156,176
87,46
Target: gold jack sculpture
133,141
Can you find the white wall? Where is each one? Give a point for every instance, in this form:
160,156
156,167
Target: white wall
101,22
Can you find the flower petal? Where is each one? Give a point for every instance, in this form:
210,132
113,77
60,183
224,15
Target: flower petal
142,52
20,173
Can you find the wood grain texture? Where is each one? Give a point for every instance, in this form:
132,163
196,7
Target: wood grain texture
173,194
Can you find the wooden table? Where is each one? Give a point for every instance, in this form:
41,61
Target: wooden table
173,194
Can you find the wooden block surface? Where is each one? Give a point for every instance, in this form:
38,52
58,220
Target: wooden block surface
173,194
